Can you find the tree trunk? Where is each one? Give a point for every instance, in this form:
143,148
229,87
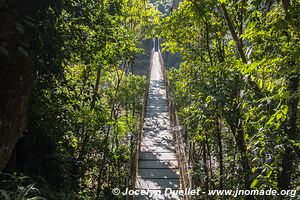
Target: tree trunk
219,140
239,45
205,167
235,37
96,87
291,130
16,73
236,125
289,156
211,183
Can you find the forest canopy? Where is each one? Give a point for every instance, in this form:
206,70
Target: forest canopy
71,104
74,60
237,90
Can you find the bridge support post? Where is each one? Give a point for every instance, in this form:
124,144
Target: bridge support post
156,44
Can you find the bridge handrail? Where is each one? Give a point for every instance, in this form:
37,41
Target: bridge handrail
182,149
135,162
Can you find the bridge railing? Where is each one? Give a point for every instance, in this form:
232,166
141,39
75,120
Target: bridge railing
138,139
182,150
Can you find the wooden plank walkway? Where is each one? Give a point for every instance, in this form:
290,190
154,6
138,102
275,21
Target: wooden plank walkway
158,165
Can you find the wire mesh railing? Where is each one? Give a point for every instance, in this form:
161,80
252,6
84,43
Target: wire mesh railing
182,150
138,139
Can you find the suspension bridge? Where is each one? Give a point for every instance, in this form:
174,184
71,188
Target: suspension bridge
161,161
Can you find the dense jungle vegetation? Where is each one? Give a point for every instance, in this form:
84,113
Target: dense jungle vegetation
237,90
71,105
69,64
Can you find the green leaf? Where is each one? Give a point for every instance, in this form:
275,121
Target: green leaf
25,191
255,182
208,99
269,172
279,115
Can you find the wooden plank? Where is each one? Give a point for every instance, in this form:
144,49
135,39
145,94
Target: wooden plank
154,184
152,164
158,165
158,173
157,156
158,148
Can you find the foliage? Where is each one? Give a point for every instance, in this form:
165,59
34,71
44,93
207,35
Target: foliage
84,110
236,91
18,188
237,112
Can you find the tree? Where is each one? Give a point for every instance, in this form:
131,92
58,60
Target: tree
238,73
17,69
